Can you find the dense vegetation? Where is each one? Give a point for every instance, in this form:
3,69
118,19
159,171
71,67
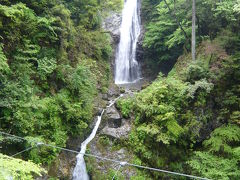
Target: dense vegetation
189,121
54,58
18,169
168,27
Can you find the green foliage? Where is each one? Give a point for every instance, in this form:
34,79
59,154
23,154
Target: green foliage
104,140
18,169
126,107
111,6
168,28
46,66
53,56
222,139
178,112
222,151
202,85
214,167
84,12
3,63
196,71
164,39
161,123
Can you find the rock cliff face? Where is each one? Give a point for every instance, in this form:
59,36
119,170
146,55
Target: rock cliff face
112,25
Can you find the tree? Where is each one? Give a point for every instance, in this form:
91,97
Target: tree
176,19
193,30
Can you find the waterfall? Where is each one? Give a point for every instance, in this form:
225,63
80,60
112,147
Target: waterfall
126,71
126,66
80,171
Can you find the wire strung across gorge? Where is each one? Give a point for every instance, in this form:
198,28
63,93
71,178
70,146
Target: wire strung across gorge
23,151
121,163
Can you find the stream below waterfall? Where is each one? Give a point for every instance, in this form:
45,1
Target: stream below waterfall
80,170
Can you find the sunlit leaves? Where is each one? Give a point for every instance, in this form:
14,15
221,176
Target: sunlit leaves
46,66
18,169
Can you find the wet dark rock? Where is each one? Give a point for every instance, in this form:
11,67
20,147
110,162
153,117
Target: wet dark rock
112,113
114,122
99,111
114,119
140,50
122,90
91,126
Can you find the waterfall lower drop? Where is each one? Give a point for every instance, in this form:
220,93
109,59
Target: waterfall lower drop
126,66
80,171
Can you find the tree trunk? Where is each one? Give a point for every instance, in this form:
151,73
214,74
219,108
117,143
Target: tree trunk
193,30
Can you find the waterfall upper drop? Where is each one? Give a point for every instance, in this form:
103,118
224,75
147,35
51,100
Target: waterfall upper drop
127,69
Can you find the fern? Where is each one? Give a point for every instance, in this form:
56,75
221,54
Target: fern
222,139
214,167
18,169
3,61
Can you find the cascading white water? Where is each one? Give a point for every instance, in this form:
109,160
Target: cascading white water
80,171
126,66
126,71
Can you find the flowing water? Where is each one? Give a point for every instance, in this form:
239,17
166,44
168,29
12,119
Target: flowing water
126,66
80,171
126,71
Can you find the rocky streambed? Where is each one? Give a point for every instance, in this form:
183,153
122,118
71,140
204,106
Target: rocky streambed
109,143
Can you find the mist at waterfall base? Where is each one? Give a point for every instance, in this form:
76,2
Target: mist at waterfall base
127,69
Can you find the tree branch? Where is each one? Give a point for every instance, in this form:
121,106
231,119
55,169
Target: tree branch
177,21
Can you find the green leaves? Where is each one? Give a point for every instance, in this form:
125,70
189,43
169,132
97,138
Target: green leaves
46,66
221,159
164,38
214,167
18,169
222,139
126,107
52,55
3,62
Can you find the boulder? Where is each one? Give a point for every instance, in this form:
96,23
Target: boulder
117,133
113,91
114,119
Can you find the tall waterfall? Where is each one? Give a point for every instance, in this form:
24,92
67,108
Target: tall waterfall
126,66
